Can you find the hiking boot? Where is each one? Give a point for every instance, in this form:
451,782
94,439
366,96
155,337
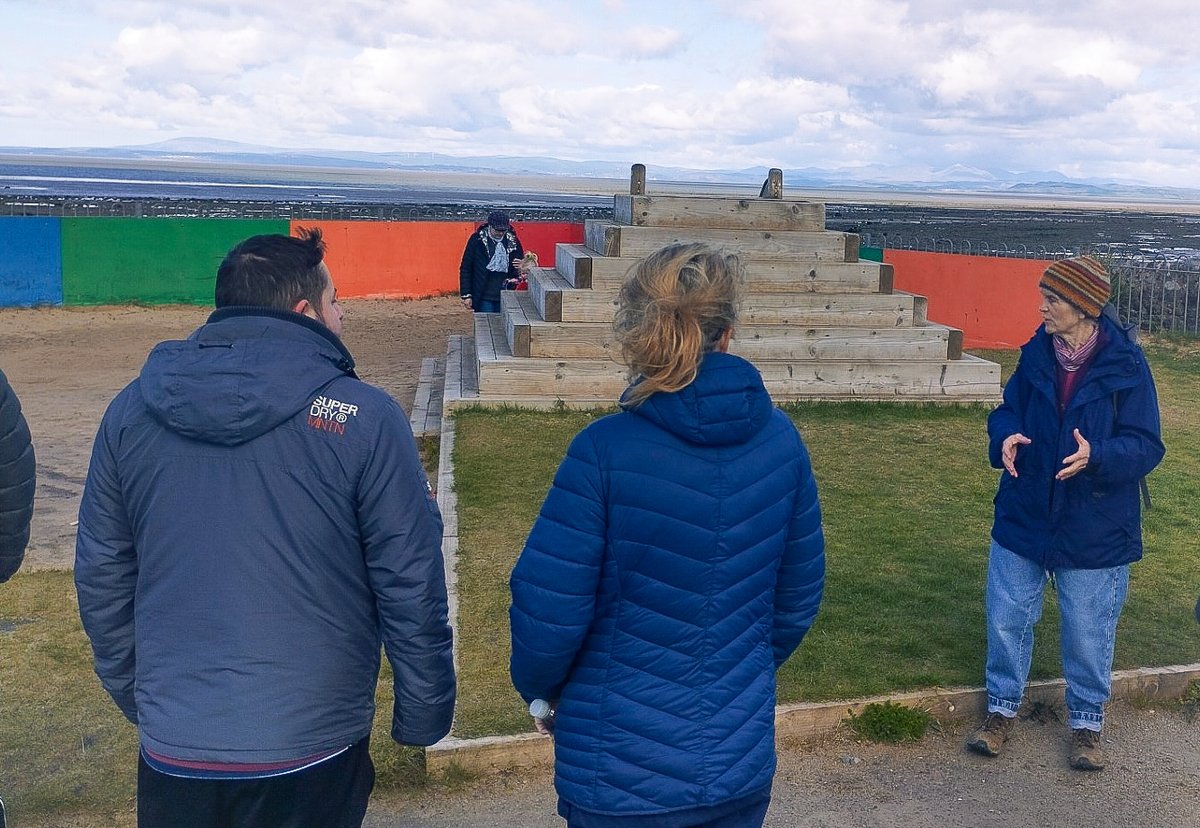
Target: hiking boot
992,734
1086,752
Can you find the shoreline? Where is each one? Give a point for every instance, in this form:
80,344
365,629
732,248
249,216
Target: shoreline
442,184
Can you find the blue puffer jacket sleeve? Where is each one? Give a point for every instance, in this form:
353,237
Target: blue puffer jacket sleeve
106,566
555,580
17,481
802,572
402,545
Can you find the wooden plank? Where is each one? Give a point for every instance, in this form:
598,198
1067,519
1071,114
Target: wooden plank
868,310
557,301
585,268
559,340
552,378
718,212
462,384
516,306
760,343
425,417
763,245
582,267
966,379
545,287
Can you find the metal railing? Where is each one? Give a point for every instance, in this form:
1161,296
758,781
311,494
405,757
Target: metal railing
67,207
1159,292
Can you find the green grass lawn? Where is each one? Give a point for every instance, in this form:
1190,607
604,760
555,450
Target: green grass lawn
906,492
907,497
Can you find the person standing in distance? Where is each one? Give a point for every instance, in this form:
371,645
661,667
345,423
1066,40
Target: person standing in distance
255,523
18,471
492,255
677,562
1076,432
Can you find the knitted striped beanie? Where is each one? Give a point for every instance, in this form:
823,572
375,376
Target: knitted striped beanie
1082,281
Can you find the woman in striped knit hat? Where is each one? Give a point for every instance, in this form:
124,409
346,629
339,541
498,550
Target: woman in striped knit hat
1076,432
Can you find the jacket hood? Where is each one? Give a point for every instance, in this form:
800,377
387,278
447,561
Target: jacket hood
725,405
241,374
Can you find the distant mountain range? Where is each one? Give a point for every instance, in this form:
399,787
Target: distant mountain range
953,179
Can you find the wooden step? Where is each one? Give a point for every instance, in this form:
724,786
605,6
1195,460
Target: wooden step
557,301
785,342
583,267
761,245
503,377
717,212
867,310
529,335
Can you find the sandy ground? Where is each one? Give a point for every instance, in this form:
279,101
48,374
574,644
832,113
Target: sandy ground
67,363
1153,779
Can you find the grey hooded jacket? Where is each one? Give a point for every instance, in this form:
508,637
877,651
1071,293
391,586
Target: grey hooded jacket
255,523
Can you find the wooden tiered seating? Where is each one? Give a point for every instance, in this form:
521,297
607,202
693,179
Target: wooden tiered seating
816,321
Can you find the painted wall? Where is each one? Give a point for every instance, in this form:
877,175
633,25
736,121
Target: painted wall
993,300
158,261
31,264
419,258
113,260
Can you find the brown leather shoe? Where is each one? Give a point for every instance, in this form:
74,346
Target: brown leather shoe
992,734
1086,752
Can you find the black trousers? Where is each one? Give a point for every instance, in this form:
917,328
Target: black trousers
332,794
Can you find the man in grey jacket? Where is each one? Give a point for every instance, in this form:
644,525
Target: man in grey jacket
255,523
17,473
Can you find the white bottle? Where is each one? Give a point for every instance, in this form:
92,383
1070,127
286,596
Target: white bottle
540,709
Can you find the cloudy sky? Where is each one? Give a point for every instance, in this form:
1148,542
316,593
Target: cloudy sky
1105,89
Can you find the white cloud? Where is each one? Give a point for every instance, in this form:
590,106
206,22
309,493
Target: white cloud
1099,88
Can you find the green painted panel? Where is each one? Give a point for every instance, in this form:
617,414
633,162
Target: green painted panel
870,254
155,261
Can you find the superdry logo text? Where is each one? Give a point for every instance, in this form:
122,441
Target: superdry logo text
328,414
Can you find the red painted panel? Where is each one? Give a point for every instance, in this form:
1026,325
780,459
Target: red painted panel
993,300
416,258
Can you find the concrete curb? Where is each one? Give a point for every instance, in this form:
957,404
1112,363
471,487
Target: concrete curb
799,723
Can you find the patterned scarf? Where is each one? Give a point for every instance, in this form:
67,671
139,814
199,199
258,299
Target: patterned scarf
1073,360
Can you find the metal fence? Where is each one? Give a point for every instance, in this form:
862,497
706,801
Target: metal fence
66,207
1158,292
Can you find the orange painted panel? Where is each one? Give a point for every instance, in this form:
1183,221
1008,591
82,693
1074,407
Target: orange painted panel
403,259
993,300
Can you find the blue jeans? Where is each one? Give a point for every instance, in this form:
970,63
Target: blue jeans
487,306
1089,601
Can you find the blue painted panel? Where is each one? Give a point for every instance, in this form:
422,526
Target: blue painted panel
30,261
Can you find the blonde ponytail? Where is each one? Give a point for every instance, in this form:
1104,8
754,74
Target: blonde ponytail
672,309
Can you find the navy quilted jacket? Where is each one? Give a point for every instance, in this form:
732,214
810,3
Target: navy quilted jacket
17,472
1092,520
676,563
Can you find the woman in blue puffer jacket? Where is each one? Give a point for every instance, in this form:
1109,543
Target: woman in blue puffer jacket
678,560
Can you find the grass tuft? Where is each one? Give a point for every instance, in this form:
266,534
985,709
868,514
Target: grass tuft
890,722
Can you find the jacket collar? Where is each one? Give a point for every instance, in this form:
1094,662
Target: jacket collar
1114,367
346,363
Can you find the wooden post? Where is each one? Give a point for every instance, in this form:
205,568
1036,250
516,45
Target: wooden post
773,186
637,179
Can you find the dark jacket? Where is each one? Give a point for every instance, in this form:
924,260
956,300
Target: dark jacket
18,471
255,522
473,275
678,560
1092,520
